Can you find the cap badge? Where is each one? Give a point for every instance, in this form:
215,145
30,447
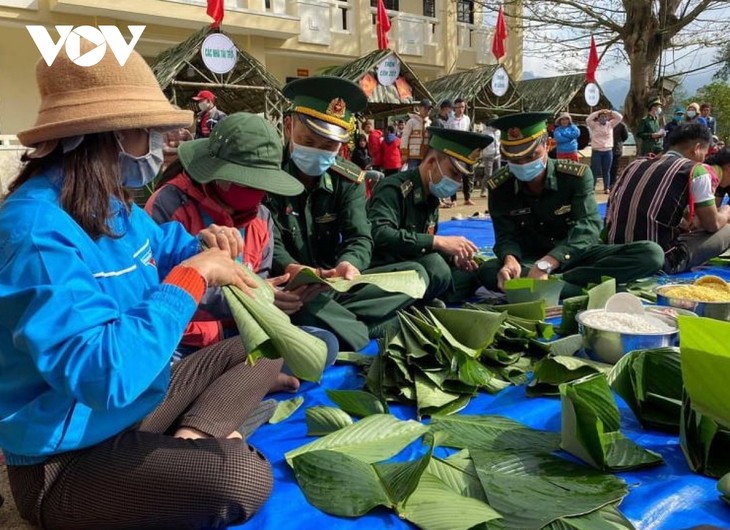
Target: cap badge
515,133
336,108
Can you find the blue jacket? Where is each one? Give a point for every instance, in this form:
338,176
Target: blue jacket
87,329
566,138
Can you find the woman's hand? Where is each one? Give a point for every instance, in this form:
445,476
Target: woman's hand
218,269
224,238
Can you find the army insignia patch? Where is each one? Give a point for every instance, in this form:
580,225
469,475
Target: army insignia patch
406,188
336,108
563,210
515,133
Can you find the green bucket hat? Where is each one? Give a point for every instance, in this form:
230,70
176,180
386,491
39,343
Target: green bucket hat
244,149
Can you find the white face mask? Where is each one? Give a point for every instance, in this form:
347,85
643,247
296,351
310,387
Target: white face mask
138,171
203,105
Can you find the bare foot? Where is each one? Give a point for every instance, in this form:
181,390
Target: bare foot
285,383
190,433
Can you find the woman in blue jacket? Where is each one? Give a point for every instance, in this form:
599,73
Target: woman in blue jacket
97,430
566,136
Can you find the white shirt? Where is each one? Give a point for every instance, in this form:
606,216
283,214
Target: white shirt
460,124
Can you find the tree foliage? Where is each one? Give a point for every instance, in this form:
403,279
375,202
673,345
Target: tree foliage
652,36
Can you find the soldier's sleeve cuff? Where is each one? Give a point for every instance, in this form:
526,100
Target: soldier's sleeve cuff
562,255
510,251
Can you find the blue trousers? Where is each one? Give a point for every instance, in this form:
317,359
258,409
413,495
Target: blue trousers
601,166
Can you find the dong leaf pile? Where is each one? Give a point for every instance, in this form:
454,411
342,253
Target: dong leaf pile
440,358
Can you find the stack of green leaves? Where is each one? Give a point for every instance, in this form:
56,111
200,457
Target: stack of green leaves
440,358
650,382
266,331
591,427
705,425
505,477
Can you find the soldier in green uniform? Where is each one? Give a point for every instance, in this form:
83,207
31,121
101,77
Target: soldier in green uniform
650,132
546,218
404,212
326,227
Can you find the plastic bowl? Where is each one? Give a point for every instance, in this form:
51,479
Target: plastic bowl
610,346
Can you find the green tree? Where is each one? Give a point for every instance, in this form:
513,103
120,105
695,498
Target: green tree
717,94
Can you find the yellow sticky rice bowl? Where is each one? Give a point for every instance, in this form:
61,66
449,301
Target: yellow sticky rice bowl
705,289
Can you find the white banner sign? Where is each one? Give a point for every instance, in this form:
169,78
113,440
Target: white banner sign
500,82
219,53
592,94
388,70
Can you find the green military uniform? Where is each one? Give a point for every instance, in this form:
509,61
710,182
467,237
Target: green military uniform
405,216
648,126
562,221
327,223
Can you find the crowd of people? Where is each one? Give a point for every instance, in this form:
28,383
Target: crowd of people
138,392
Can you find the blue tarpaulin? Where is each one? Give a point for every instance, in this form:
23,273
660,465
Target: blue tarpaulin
665,497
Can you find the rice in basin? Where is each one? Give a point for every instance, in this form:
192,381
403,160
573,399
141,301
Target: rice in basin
627,323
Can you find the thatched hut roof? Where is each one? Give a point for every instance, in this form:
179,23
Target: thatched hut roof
557,94
248,87
384,99
475,87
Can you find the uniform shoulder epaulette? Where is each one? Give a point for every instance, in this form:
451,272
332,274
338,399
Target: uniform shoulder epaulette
349,170
571,168
501,176
406,188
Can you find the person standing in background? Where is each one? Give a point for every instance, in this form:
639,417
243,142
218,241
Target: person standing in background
670,126
692,114
391,158
566,135
491,158
705,110
461,122
601,124
446,110
650,132
375,141
399,130
414,142
209,115
620,135
361,154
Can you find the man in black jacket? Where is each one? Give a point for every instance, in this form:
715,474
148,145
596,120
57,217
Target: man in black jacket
620,135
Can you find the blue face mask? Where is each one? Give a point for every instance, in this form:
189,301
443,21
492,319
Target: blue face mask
677,117
312,161
528,172
444,188
138,171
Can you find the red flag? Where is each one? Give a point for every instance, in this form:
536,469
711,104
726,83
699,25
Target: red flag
383,26
592,63
215,11
500,35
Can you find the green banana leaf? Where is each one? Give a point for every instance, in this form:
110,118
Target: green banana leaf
429,397
706,366
325,420
598,295
266,331
357,358
650,382
372,439
520,290
491,432
590,428
704,442
474,329
285,409
357,402
459,474
552,371
644,289
415,495
535,310
595,298
405,282
607,518
531,490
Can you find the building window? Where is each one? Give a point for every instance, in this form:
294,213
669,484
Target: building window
465,11
429,8
389,4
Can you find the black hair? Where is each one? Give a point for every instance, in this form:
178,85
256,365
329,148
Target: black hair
446,104
401,121
391,129
721,158
459,100
688,133
705,106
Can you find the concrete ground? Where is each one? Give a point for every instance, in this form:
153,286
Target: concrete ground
9,517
